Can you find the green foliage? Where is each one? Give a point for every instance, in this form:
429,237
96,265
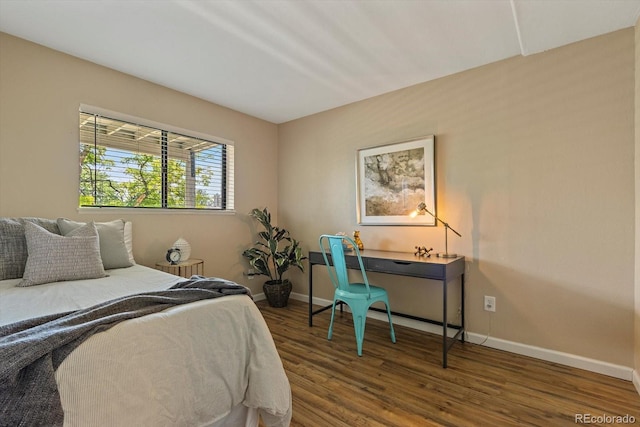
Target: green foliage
88,159
144,187
275,251
138,182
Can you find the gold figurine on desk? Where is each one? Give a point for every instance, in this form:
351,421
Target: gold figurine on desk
356,238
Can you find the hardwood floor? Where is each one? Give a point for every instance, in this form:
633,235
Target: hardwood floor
404,384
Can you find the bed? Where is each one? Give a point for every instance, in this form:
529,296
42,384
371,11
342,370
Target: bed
206,363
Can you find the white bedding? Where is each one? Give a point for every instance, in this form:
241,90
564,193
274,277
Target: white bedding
24,303
190,365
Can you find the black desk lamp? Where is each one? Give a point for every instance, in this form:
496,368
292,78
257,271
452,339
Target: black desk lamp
422,207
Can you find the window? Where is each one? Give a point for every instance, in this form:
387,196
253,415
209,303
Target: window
126,163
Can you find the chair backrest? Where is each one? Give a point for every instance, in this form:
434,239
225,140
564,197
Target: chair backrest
338,266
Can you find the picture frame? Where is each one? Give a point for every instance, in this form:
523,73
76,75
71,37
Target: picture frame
393,179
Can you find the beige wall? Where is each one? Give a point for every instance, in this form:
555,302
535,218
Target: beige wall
535,168
40,92
637,198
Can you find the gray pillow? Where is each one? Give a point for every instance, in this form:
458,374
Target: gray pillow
13,245
53,258
112,245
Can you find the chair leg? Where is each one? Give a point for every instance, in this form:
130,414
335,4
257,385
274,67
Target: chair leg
333,312
393,334
358,326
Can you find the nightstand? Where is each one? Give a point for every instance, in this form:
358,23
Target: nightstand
185,269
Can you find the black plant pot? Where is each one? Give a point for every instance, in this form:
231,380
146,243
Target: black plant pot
277,292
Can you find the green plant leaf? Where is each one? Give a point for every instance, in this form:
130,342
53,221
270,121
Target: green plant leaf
266,256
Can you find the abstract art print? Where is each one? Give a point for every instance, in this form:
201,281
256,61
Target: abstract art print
393,179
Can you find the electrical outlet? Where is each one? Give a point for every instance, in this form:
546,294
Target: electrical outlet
489,303
250,273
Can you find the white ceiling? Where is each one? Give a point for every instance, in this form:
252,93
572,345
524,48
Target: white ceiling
284,59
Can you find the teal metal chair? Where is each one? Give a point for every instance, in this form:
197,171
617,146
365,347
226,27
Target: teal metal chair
358,296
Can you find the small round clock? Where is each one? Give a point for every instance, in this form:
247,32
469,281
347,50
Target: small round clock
174,256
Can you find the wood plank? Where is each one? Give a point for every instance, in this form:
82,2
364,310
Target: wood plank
404,384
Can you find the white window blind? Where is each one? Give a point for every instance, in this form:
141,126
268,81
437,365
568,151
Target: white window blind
126,163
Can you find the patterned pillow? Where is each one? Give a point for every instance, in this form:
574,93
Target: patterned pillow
13,245
113,249
53,258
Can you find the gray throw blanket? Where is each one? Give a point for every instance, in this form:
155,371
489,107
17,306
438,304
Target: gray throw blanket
32,350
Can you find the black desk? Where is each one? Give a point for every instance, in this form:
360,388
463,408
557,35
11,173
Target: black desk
406,264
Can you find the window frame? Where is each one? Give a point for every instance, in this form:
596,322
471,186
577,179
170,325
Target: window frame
227,165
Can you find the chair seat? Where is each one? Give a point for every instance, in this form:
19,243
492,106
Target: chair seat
359,291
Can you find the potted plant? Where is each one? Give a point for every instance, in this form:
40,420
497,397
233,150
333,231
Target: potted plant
273,254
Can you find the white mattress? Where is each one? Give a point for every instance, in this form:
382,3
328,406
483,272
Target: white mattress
191,365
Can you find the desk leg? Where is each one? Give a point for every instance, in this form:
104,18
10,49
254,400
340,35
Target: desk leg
444,323
310,294
462,304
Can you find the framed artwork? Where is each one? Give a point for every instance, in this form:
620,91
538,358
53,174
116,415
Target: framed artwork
393,179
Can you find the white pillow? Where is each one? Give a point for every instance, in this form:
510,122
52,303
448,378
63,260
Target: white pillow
113,249
53,258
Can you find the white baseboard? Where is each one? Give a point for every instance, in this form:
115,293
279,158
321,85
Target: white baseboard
593,365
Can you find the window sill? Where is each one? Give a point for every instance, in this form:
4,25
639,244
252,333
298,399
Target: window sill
153,211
